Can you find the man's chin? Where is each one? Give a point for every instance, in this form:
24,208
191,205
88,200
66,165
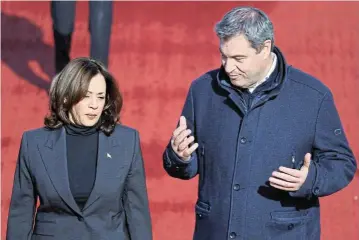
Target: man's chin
239,83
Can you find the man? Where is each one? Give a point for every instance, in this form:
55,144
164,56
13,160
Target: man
264,137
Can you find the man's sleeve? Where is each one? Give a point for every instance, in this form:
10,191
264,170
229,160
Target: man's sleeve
333,165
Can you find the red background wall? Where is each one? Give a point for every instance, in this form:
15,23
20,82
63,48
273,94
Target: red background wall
157,49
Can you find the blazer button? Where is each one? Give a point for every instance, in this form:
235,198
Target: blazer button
243,140
232,235
316,190
236,187
81,219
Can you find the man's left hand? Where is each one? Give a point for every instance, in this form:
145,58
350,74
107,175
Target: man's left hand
289,179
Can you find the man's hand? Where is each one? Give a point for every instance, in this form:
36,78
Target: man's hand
181,140
289,179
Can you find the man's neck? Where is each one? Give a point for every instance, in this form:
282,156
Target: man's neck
268,70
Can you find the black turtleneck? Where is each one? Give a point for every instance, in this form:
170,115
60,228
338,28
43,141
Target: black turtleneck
82,146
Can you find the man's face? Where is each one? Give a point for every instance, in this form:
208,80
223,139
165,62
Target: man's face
243,65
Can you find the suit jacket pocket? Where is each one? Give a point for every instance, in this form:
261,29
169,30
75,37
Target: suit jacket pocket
44,228
287,225
116,220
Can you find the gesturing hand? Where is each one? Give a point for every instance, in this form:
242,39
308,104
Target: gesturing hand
289,179
181,141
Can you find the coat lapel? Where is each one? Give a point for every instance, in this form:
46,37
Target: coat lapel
238,101
54,158
107,166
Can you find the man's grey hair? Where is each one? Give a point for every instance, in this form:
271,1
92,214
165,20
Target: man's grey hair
253,23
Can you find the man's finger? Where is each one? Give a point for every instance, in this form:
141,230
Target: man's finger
179,139
282,188
282,183
190,150
183,121
293,172
178,130
185,143
285,177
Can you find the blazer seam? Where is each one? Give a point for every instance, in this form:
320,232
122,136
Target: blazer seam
132,161
316,120
307,85
134,149
27,158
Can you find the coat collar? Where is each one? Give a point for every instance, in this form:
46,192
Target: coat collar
222,81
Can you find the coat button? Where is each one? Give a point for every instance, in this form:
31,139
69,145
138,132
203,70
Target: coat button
81,219
236,187
232,235
290,226
243,140
316,190
199,215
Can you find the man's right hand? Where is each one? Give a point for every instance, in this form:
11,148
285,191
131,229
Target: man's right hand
181,140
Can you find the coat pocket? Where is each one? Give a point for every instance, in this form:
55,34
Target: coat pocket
117,221
287,225
44,228
202,209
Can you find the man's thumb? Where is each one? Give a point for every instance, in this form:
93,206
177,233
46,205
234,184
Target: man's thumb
307,160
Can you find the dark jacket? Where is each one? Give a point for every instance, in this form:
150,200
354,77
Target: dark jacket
116,209
240,146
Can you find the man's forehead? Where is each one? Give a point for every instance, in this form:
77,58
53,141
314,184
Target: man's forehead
237,50
237,45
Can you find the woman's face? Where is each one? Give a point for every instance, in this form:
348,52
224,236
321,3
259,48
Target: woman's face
88,111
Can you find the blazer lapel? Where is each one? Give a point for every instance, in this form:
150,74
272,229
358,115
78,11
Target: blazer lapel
54,158
107,166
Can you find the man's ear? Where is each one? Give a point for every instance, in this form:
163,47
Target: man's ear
266,48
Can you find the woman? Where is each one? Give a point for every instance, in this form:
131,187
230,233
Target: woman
86,169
